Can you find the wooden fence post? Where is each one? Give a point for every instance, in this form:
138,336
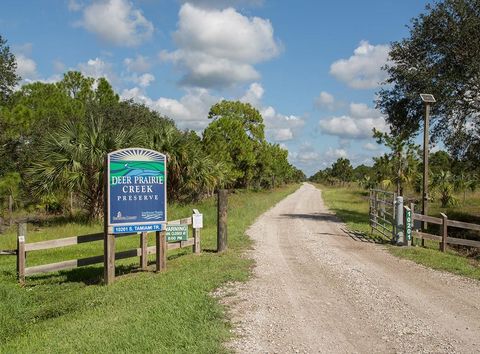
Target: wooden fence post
161,254
443,244
109,258
21,238
222,220
196,241
143,247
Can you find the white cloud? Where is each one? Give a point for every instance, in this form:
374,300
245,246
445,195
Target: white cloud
363,69
138,64
137,94
74,5
348,127
280,127
307,158
144,80
283,134
218,48
117,22
334,154
97,68
26,67
223,3
325,99
253,95
189,112
310,160
207,71
361,110
358,124
371,147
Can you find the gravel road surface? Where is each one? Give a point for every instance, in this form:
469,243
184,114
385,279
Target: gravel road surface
318,289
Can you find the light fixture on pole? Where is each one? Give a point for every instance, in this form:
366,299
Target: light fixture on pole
427,99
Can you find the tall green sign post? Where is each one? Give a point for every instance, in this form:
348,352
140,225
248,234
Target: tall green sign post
135,199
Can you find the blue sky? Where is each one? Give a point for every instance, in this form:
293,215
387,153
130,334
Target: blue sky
311,67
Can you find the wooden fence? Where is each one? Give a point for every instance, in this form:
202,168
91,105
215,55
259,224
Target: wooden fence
143,251
444,223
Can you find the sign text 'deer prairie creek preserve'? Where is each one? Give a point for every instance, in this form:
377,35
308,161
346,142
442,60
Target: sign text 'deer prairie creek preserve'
136,190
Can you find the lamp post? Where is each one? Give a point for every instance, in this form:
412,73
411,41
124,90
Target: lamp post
427,99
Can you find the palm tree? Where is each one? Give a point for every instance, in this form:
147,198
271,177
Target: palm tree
464,182
443,183
72,160
192,174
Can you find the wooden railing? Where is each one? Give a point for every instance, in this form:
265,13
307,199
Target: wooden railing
143,251
444,223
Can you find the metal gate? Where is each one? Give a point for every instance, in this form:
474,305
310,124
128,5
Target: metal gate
382,212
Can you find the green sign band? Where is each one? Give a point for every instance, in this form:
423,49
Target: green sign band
408,224
177,233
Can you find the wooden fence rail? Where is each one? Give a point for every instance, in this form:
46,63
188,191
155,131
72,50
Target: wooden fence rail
143,251
444,223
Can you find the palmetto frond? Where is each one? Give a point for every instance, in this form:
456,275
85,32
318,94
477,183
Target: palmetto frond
72,160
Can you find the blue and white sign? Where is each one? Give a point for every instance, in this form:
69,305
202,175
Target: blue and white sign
137,194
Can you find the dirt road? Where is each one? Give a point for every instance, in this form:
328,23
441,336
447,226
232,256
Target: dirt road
317,289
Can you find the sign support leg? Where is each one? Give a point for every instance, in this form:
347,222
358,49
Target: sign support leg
161,254
143,247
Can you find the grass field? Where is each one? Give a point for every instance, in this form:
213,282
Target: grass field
351,206
172,312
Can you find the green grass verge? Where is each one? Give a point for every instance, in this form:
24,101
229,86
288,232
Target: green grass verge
351,206
172,312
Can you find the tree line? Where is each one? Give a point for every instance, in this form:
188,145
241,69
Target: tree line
403,173
54,137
